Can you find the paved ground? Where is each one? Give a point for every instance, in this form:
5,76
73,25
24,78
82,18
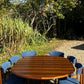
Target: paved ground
73,48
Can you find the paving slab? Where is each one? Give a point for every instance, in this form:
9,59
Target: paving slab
73,48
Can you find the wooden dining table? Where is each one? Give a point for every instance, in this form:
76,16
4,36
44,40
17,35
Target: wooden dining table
43,67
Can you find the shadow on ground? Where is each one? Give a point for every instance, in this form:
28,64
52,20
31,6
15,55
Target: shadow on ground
80,47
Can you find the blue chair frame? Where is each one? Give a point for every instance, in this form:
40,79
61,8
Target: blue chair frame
79,68
5,66
5,69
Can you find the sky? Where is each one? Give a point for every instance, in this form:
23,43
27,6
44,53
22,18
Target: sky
17,0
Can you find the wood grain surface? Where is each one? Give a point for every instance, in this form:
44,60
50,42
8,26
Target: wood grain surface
43,67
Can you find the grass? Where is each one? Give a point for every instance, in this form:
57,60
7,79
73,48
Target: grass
45,48
41,49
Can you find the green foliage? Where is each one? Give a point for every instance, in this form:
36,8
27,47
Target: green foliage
17,36
42,49
59,7
5,7
15,31
1,1
46,47
43,14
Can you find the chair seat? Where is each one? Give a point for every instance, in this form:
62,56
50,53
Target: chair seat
69,81
15,80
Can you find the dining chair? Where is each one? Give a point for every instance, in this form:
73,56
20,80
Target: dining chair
79,68
74,77
5,69
11,80
14,59
28,53
56,53
69,80
72,59
5,66
15,80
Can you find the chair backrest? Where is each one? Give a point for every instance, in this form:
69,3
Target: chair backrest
72,59
5,66
79,67
29,53
56,53
14,59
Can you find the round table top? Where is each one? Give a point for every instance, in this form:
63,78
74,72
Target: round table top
43,67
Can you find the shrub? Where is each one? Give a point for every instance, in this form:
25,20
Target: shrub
15,33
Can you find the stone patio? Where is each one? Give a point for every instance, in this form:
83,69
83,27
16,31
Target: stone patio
73,48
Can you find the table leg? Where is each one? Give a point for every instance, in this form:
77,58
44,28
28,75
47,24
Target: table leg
42,81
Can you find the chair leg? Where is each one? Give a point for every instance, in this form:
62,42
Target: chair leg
82,76
8,74
25,82
0,77
55,81
42,81
76,60
4,78
81,79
